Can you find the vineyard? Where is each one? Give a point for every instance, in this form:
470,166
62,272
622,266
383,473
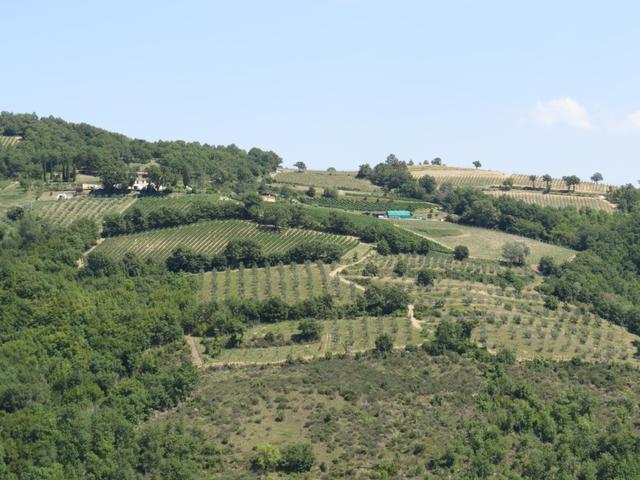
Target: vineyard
520,322
341,180
482,243
505,317
339,336
6,142
63,212
443,265
469,177
293,283
366,204
552,200
179,202
211,237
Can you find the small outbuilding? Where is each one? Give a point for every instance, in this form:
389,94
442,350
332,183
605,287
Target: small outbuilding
398,214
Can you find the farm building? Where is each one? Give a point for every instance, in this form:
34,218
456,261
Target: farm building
398,214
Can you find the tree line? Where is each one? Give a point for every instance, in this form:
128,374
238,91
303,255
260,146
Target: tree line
388,238
52,149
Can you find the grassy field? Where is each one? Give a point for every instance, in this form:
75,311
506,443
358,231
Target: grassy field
211,237
339,336
63,212
487,178
11,195
342,180
407,413
555,200
482,243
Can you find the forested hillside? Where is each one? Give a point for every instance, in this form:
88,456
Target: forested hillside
53,149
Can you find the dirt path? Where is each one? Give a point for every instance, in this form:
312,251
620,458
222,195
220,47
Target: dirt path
426,236
415,323
341,268
80,261
195,355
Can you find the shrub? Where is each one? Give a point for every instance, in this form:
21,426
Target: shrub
267,458
425,277
370,270
384,343
309,330
461,252
297,458
401,267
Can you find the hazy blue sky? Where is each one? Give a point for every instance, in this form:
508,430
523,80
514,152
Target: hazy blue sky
522,86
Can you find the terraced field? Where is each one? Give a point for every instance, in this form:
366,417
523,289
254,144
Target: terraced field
63,212
339,336
342,180
6,142
482,243
520,322
505,317
487,178
211,237
293,283
554,200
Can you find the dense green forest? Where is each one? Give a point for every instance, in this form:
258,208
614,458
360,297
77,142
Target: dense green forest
52,149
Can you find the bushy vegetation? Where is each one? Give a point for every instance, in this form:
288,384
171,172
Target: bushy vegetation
85,358
550,420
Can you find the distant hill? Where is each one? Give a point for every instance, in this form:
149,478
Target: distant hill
52,149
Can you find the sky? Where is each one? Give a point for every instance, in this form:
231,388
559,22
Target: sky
522,86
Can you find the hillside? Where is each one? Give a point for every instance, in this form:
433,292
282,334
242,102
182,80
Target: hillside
274,330
74,148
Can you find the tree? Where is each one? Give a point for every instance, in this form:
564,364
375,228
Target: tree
436,161
370,270
507,183
533,179
425,278
597,177
547,266
384,343
310,330
547,179
160,177
401,267
461,252
115,177
428,183
331,170
300,166
297,458
571,181
330,192
364,171
516,253
383,299
477,164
